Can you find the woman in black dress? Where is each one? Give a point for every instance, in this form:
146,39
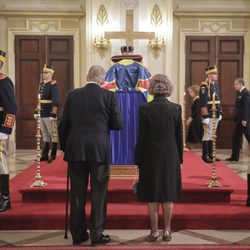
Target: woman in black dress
158,154
194,122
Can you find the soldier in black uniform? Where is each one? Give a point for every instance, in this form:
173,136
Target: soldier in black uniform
8,109
207,89
242,114
49,91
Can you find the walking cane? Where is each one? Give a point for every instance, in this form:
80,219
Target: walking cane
248,187
67,205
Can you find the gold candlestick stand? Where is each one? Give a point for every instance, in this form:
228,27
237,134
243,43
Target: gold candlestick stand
38,182
213,182
184,122
54,130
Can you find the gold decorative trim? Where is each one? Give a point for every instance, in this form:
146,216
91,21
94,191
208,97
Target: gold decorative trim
101,43
155,45
102,16
43,25
215,26
156,16
212,14
76,14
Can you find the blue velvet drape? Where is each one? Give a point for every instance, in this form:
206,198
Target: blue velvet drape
123,141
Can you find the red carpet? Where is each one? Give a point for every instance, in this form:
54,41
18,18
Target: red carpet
43,207
138,247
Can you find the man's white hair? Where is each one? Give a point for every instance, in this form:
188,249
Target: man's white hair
96,74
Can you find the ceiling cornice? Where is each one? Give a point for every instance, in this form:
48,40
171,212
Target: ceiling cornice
75,14
231,14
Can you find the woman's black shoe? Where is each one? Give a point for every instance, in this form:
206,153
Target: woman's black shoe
231,159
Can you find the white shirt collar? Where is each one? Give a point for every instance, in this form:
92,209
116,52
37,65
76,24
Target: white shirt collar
92,82
241,89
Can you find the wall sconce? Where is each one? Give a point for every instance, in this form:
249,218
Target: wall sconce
156,44
100,42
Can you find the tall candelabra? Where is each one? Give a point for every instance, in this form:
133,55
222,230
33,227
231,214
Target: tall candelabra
38,182
213,182
184,122
54,130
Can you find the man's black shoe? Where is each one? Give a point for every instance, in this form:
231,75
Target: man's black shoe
230,159
207,159
103,240
79,241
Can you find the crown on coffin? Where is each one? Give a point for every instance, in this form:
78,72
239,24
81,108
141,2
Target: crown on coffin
127,53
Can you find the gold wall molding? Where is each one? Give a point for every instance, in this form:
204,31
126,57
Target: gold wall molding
102,16
43,25
241,24
212,14
215,26
59,14
189,24
156,16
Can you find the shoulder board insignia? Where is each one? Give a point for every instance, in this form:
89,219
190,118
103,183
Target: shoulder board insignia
2,75
203,89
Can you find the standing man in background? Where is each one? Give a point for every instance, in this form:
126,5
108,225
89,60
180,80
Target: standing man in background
89,114
207,89
242,116
8,110
49,91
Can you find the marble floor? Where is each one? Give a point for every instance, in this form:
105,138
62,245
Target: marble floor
19,160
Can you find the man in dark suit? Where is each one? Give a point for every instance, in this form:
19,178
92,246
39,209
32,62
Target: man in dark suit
242,114
89,115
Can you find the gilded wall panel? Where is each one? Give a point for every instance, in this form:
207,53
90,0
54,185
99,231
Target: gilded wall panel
43,25
17,23
189,24
69,24
242,24
215,26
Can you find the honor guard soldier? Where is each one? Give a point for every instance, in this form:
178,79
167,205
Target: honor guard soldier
49,92
207,89
8,109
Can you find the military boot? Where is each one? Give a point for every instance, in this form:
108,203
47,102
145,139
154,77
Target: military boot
205,155
53,152
5,193
45,152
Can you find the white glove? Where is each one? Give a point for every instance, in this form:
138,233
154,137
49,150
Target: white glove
220,117
52,118
3,136
205,121
36,116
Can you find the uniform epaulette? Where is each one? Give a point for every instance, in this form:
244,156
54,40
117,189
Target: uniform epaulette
2,75
53,82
